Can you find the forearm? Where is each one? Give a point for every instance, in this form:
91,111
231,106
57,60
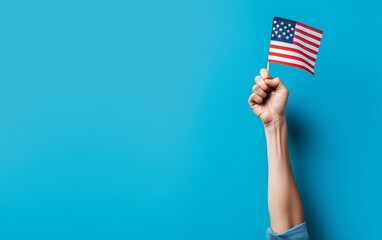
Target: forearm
285,207
277,141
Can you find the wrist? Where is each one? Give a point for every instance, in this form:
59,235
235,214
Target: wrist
276,123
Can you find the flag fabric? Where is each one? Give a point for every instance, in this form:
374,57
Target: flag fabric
294,44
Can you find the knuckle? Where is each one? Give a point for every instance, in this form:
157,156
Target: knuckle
257,79
250,99
260,92
265,86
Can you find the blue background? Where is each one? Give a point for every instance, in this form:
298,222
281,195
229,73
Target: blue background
129,120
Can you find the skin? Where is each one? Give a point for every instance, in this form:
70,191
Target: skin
268,101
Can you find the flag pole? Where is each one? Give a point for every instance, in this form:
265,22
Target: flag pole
268,66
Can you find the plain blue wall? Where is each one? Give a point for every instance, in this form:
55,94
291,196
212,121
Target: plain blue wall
129,120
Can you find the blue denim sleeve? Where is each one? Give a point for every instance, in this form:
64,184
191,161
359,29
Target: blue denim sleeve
298,232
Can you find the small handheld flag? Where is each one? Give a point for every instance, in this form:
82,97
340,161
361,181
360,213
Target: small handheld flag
294,44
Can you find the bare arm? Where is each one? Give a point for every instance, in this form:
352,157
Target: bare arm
268,101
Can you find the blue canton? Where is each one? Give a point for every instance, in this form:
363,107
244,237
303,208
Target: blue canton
283,30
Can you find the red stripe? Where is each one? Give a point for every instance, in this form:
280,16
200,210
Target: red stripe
292,65
307,34
305,48
292,50
310,28
307,41
291,57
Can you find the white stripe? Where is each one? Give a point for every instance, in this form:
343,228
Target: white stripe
275,50
305,44
308,30
307,38
288,60
290,45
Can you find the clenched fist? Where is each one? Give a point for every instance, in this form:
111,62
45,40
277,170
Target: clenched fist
269,98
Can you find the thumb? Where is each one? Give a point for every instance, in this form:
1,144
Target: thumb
274,83
265,74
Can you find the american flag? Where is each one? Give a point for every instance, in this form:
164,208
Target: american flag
294,44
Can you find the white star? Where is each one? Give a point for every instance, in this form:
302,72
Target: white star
277,25
289,24
292,29
276,32
272,35
283,33
287,30
285,27
282,23
291,34
280,29
274,21
279,36
273,28
287,37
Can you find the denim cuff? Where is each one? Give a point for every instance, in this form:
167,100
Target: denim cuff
298,232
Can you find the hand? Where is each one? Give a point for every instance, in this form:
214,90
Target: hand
269,98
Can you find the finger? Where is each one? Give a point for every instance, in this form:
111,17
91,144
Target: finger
250,101
259,91
265,74
274,83
260,81
257,99
255,87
